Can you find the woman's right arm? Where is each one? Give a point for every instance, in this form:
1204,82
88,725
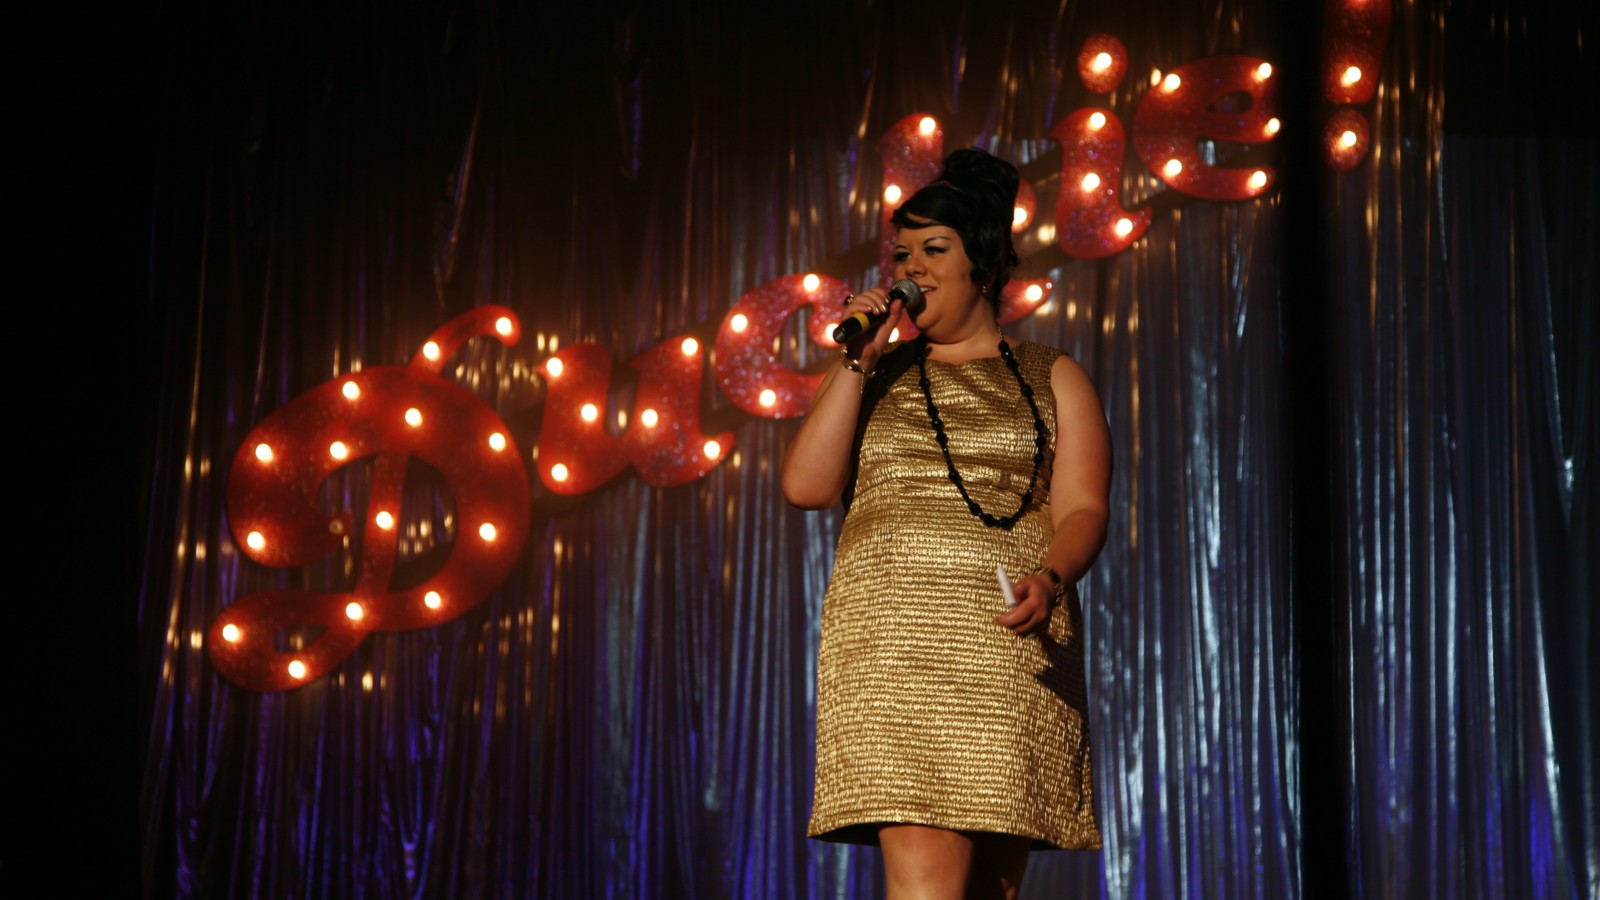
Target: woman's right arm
816,464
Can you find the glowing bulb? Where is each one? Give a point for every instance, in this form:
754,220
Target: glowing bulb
589,412
430,350
497,442
1348,139
1019,216
487,531
354,612
811,283
1033,293
384,519
1258,180
1124,227
255,540
713,449
1091,181
1102,62
351,390
1171,82
1155,77
1351,75
413,417
231,633
768,397
263,453
297,669
433,600
338,450
1097,121
927,125
891,194
1264,71
690,346
558,472
649,418
502,325
554,367
894,335
1172,168
1273,125
739,322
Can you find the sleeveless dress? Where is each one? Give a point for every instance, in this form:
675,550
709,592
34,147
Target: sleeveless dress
927,711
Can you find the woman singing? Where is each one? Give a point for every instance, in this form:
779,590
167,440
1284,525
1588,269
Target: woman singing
952,728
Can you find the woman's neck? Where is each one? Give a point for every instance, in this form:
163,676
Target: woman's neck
980,339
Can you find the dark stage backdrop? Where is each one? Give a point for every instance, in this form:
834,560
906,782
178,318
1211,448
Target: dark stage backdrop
630,713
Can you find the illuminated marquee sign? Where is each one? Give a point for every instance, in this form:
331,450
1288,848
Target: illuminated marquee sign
393,413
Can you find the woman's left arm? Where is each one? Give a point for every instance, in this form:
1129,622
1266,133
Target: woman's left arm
1080,487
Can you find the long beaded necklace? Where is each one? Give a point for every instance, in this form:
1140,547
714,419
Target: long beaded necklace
992,521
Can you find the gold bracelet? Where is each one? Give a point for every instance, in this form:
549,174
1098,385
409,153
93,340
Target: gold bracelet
853,364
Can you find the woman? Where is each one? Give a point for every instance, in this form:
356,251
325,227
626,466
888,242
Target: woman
952,730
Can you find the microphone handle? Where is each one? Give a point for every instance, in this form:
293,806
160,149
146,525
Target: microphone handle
854,325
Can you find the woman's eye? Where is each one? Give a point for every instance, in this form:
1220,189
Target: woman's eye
931,250
900,255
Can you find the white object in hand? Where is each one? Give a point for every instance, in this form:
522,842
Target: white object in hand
1005,585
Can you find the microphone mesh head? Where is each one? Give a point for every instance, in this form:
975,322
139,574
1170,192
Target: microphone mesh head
910,295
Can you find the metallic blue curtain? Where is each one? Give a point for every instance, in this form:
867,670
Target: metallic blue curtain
1465,278
630,713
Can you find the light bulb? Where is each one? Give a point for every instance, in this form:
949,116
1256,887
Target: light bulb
1264,71
413,417
1273,125
558,472
649,417
1348,139
351,390
554,367
590,412
713,449
297,669
1351,75
430,350
354,612
1124,227
739,322
690,346
1171,82
1033,293
891,194
927,125
231,633
338,450
384,519
1091,181
502,325
1102,62
432,600
1097,120
1172,168
264,453
487,531
768,397
497,441
1258,179
811,282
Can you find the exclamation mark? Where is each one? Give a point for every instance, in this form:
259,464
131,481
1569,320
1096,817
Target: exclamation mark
1354,35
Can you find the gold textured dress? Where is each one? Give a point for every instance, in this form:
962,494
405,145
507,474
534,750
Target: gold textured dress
927,711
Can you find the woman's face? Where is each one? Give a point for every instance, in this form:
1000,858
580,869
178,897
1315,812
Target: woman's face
934,257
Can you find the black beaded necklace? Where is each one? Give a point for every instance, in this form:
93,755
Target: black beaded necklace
992,521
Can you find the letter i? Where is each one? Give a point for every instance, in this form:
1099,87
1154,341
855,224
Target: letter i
1354,35
1090,221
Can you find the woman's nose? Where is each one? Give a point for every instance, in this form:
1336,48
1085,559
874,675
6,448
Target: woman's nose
912,264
